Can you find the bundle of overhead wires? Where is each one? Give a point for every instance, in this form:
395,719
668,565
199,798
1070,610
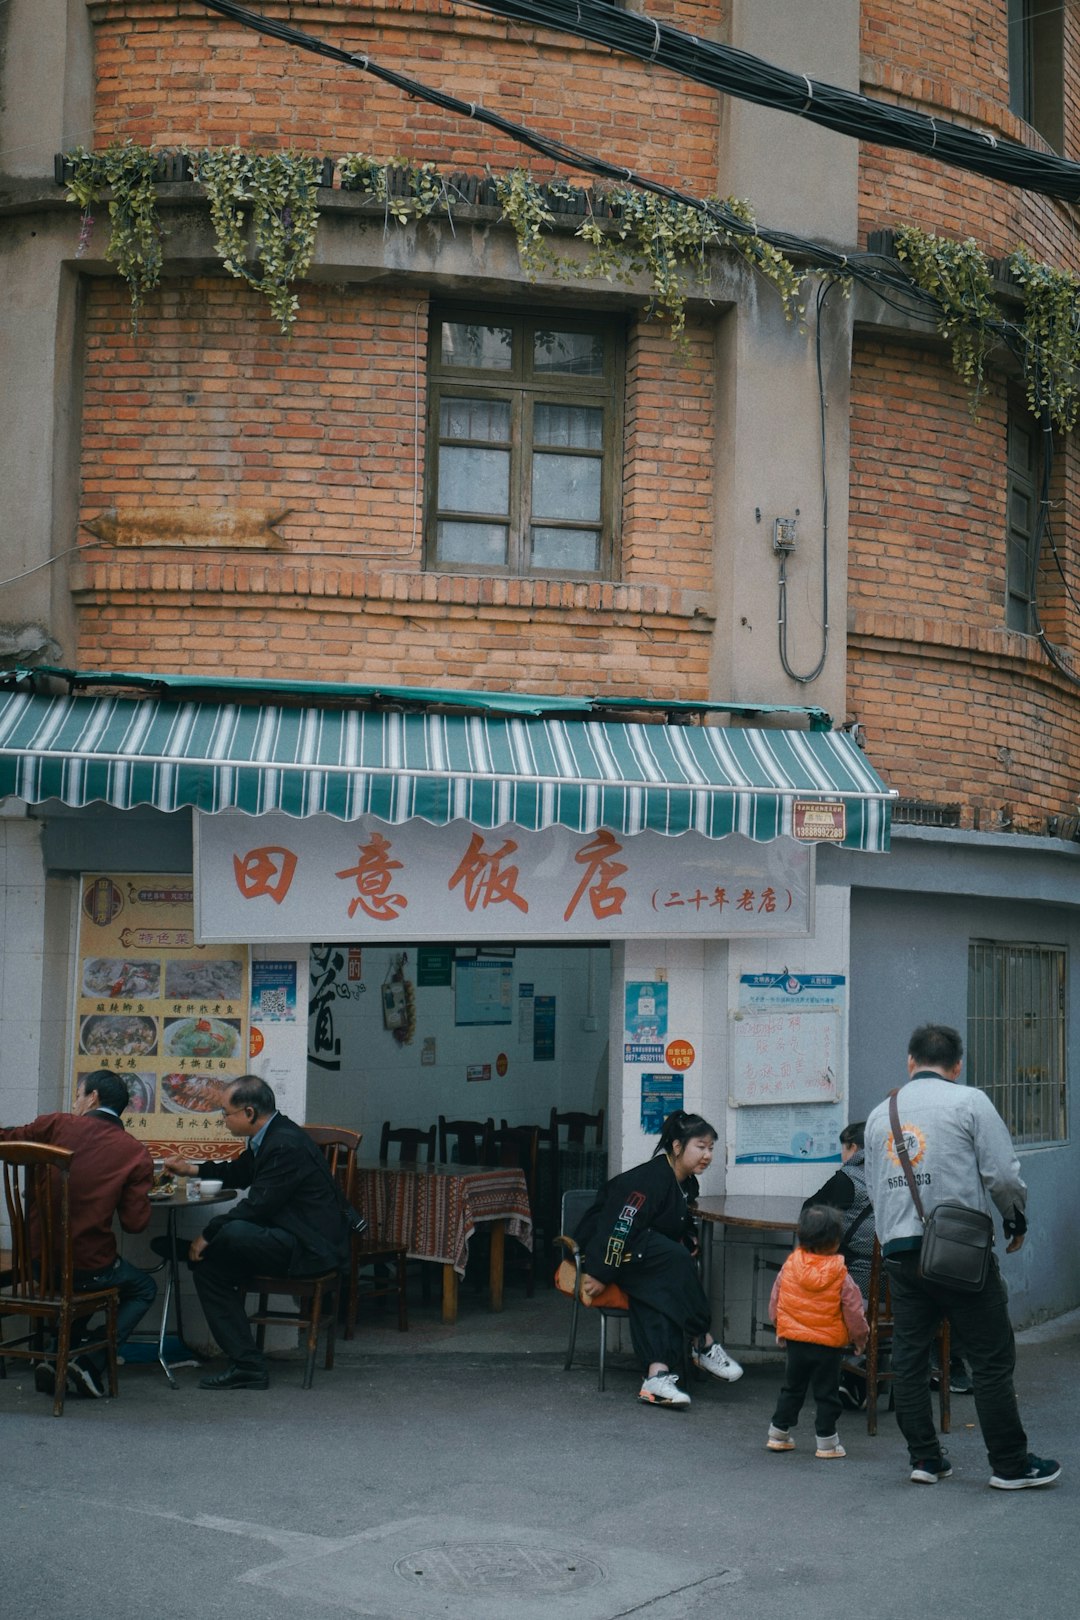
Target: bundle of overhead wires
750,78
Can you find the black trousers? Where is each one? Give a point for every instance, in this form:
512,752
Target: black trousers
815,1367
667,1301
240,1251
982,1324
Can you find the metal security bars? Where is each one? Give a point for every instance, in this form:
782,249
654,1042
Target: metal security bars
1016,1035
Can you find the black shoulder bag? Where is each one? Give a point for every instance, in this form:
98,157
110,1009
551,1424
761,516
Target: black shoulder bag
956,1240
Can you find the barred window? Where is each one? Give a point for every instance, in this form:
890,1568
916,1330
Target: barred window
1016,1035
524,435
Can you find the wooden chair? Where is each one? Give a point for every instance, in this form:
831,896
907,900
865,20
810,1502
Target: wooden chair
311,1294
411,1143
880,1318
518,1146
611,1305
470,1139
366,1248
576,1124
38,1283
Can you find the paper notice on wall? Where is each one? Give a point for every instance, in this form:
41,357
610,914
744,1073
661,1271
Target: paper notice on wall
526,1011
807,1134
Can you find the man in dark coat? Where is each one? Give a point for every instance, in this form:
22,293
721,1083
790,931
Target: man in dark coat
111,1174
291,1224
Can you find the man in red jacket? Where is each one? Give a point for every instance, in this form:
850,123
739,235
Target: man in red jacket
111,1174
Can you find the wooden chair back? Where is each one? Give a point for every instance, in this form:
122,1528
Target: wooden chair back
411,1143
517,1145
576,1124
470,1137
37,1285
36,1199
339,1148
880,1321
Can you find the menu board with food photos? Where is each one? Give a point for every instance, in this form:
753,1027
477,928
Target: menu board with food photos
167,1014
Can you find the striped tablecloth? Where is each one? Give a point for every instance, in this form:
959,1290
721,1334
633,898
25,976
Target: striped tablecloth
434,1210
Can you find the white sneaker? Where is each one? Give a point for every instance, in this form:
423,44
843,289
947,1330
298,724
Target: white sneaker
663,1390
716,1360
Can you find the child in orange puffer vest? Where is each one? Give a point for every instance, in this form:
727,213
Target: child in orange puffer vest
818,1311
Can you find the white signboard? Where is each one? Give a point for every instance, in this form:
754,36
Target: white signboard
274,877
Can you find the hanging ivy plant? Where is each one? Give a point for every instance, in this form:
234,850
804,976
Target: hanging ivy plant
127,174
957,275
280,192
418,190
1051,332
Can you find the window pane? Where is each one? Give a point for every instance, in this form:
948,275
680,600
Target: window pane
488,347
574,354
564,487
475,419
574,551
578,427
481,543
474,480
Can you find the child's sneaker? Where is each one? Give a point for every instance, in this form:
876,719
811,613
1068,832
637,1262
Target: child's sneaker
828,1445
663,1390
779,1440
716,1360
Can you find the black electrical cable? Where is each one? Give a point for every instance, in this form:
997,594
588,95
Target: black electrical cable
823,292
1042,528
750,78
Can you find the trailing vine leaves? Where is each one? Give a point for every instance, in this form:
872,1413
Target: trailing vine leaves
416,191
957,275
281,191
127,173
1051,333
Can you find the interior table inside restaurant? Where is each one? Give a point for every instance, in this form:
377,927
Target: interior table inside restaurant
764,1225
433,1210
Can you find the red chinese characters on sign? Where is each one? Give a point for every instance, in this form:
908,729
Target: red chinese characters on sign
373,874
268,870
485,880
749,900
605,896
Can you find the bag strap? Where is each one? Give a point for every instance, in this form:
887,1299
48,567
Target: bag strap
902,1154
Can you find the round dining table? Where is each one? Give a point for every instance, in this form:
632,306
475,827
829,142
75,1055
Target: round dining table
173,1203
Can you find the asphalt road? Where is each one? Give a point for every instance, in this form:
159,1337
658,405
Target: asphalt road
417,1480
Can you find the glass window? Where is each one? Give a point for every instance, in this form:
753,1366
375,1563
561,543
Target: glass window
522,461
1036,67
1016,1035
1021,507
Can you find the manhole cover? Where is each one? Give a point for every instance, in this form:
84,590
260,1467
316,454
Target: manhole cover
498,1568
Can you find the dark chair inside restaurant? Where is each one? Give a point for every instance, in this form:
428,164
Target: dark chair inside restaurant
609,1306
316,1298
464,1141
573,1159
412,1144
873,1370
518,1146
38,1286
383,1264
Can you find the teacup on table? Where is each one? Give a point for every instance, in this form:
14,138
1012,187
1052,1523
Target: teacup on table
208,1188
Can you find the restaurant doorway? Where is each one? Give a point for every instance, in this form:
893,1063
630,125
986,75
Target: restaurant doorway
406,1033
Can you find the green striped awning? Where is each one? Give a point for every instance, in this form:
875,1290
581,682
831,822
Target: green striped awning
537,772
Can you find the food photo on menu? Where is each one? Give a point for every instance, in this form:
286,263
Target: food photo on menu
196,1094
111,1035
118,979
218,979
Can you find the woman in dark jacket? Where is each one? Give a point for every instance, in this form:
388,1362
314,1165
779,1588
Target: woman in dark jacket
639,1234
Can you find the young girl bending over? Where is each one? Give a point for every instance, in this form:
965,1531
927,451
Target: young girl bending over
817,1310
639,1234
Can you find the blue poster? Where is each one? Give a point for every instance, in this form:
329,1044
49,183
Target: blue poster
646,1011
543,1029
660,1095
273,992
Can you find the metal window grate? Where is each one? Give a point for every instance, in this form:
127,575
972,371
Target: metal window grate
1016,1035
925,813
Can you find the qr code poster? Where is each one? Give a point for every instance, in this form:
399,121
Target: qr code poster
273,992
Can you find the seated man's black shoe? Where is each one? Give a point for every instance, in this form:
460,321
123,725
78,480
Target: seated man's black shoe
236,1378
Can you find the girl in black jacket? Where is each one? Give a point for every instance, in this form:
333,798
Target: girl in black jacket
639,1234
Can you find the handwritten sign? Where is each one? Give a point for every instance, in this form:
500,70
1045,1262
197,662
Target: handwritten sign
785,1055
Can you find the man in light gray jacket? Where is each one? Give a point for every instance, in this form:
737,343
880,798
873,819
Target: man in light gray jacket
961,1153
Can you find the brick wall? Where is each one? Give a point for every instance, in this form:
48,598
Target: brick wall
956,707
952,62
170,73
211,411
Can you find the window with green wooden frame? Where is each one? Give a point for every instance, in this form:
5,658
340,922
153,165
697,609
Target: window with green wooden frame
524,443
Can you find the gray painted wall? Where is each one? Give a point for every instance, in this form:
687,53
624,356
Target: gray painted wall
909,954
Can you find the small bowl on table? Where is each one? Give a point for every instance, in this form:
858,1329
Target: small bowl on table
207,1189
